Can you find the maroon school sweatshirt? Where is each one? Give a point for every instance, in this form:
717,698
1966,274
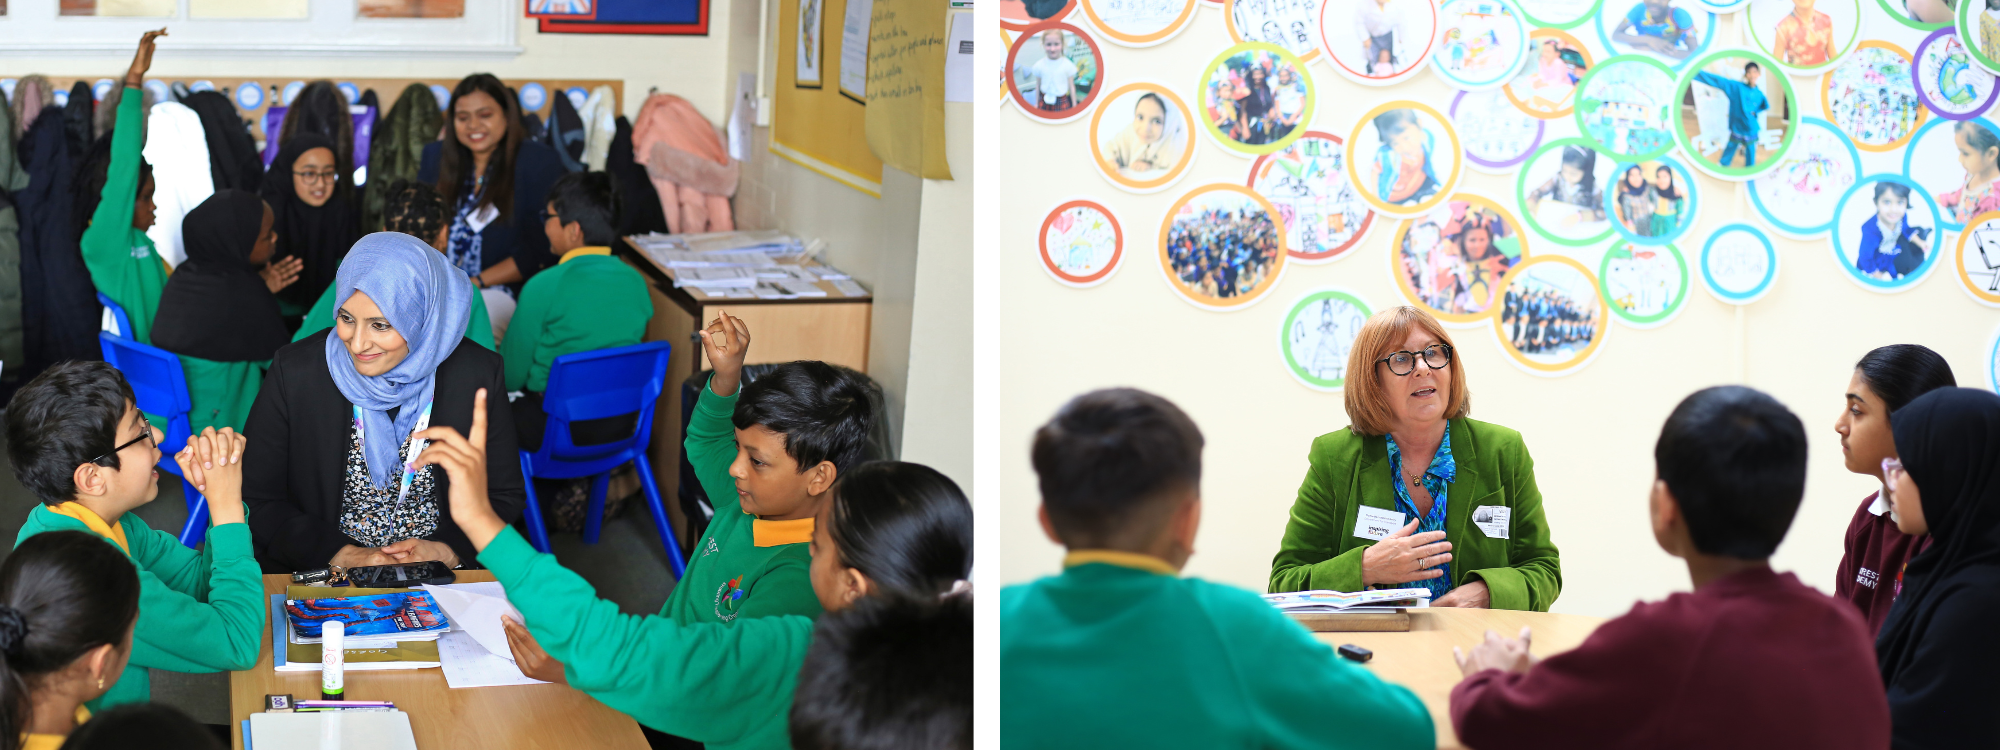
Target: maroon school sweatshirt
1753,660
1871,568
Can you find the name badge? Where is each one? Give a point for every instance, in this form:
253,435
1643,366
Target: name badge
1377,523
1492,519
482,217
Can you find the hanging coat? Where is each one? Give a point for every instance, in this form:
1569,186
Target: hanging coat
232,153
687,163
12,179
177,147
32,94
641,202
78,115
565,134
413,121
59,310
600,125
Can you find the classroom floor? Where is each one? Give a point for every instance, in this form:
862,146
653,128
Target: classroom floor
627,566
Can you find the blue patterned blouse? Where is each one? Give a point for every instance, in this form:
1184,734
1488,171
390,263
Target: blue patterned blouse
1437,480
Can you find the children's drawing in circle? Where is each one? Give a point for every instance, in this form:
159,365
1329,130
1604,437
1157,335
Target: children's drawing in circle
1890,248
1979,154
1401,169
1656,26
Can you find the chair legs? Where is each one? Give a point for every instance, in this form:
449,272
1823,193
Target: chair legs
660,522
593,525
196,528
593,521
538,534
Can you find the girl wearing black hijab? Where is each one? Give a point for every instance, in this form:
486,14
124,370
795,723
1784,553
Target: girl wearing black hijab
1936,650
217,313
318,215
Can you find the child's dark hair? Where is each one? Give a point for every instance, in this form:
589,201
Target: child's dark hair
1107,459
413,208
62,593
157,726
890,672
1673,193
1750,66
62,419
1897,189
1735,460
905,526
824,411
1162,103
1583,159
1978,134
1899,373
1389,123
591,200
88,188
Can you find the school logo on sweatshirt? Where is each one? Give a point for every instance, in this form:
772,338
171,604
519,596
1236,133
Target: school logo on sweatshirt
1866,578
711,549
728,597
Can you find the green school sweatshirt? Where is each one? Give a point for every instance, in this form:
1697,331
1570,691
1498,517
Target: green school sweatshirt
479,328
728,686
588,300
121,259
198,611
220,393
1119,651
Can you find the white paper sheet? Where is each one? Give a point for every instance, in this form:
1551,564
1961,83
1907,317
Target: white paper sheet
475,609
741,115
467,664
958,58
854,48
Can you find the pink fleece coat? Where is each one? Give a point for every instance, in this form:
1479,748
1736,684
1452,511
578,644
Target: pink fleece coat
688,165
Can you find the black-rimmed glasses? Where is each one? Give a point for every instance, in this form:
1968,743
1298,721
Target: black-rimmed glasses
1404,363
312,177
146,435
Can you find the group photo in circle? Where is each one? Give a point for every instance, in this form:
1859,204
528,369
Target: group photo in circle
1255,98
1222,246
1551,320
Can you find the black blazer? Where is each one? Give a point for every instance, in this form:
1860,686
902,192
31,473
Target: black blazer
295,465
520,235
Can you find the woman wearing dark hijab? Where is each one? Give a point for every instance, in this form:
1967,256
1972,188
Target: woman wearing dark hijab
318,218
217,313
1936,649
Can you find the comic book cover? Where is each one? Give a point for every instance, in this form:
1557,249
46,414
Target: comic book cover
393,614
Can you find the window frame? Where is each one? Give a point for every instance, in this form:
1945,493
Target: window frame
488,29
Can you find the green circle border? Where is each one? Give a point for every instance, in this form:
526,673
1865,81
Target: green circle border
1991,65
1284,349
1521,192
1583,84
1735,174
1228,144
1647,321
1535,23
1898,17
1853,42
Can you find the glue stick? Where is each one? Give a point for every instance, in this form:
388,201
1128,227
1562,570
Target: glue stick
331,667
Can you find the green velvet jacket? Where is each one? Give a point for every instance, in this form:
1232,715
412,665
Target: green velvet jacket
1320,550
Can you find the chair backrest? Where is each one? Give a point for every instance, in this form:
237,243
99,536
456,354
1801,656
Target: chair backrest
599,384
116,322
158,382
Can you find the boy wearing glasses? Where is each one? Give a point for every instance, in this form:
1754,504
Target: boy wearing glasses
77,441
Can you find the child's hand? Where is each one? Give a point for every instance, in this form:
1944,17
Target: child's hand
529,656
142,60
726,341
464,460
213,463
280,273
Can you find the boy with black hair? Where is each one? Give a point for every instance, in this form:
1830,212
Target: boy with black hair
1120,651
887,672
76,440
1750,659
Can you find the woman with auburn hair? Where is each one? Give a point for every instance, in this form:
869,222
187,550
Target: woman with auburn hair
1414,493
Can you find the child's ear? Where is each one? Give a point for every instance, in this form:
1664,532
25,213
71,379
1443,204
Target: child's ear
97,665
856,585
90,480
821,478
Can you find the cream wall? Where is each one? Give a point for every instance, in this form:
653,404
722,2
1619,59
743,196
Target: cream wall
1591,433
937,421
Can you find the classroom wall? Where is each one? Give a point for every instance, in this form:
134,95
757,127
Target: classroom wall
1591,433
937,418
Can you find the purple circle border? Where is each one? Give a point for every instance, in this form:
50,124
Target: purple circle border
1541,132
1917,81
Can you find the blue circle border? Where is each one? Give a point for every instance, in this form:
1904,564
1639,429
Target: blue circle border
1690,212
1604,38
1805,233
1930,259
1770,251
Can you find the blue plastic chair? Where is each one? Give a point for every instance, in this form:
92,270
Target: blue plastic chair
159,386
596,385
119,319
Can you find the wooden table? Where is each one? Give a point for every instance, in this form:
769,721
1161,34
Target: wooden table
1421,659
514,716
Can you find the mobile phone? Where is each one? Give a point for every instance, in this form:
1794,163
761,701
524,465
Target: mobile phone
401,575
1356,653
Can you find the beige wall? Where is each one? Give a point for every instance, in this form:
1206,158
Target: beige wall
937,421
1591,433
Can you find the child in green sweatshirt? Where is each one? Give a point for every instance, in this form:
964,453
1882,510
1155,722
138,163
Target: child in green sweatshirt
77,441
890,529
1120,651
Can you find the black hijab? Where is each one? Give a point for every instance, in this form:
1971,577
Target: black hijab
319,236
1935,649
232,156
215,305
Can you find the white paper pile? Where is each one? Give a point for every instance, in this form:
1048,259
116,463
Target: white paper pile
475,653
1305,602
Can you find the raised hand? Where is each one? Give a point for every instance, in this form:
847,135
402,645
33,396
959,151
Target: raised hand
280,273
1404,556
725,341
142,60
464,460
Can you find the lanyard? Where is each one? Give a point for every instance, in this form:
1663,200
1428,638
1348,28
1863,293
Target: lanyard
409,472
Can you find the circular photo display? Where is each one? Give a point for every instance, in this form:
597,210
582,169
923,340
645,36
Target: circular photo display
1450,261
1925,15
1378,42
1552,319
1644,286
1222,247
1082,243
1307,182
1797,197
1135,23
1622,107
1545,85
1404,158
1255,98
1142,138
1721,6
1993,362
1480,45
1959,164
1736,117
1056,72
1285,23
1558,14
1885,233
1805,37
1562,191
1669,31
1497,136
1872,97
1738,264
1021,14
1981,21
1979,258
1947,80
1652,202
1318,334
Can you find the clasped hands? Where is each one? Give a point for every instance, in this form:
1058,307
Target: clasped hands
1497,652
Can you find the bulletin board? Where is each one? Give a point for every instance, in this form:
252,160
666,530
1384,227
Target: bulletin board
818,128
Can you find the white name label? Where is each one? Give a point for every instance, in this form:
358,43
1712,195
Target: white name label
1492,519
1376,523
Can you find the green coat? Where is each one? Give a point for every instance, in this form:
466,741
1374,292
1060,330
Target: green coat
1320,550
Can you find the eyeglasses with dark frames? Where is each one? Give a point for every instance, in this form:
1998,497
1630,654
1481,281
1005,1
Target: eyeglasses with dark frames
312,177
146,435
1437,356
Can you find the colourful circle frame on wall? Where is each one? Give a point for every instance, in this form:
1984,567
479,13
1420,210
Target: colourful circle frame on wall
1294,28
1545,346
1593,223
1021,20
1848,240
1219,108
1866,97
1646,225
1498,137
249,95
1901,15
1431,261
1622,108
1318,334
1118,149
1481,43
1614,16
1993,362
1137,24
1768,21
1932,161
1967,17
1550,94
1251,212
1797,197
1686,141
1077,108
1559,14
1436,137
1307,181
1738,264
1078,229
1719,8
1006,42
1948,81
1643,286
1350,48
1980,244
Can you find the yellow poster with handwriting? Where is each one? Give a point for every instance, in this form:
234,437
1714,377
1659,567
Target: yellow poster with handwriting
906,55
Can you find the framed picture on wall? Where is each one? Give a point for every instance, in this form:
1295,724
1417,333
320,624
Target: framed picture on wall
649,17
810,40
574,10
